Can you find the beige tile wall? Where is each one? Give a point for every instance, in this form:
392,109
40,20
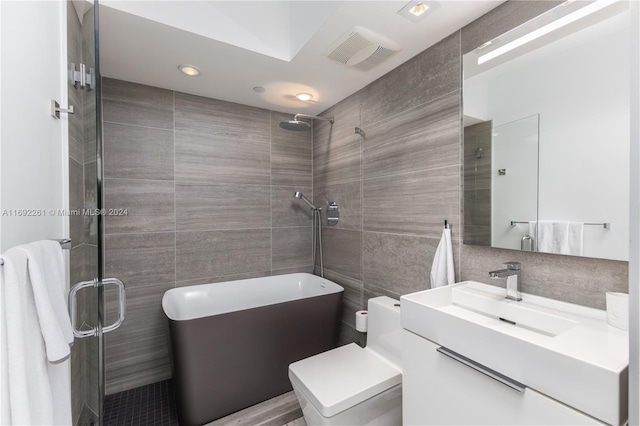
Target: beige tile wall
208,186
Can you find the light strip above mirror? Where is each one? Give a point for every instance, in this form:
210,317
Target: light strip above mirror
559,23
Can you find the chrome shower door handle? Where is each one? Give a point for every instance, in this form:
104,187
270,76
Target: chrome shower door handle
122,298
73,308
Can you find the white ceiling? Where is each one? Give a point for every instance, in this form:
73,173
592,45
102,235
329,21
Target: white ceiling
278,45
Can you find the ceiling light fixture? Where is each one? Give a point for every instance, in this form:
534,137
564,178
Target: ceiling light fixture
259,89
304,96
419,9
559,23
416,10
189,70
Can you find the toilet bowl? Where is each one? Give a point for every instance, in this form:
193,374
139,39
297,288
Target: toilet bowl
351,385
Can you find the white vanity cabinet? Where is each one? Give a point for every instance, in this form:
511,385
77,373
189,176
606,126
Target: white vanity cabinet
536,361
438,390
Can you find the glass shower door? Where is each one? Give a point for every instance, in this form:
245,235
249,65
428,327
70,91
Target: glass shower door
87,295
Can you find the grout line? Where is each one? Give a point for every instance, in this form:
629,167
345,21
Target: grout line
151,180
362,269
460,231
198,230
140,126
175,201
270,192
190,183
457,166
406,235
313,194
404,111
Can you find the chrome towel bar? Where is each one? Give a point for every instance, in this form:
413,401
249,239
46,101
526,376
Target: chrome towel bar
605,225
65,243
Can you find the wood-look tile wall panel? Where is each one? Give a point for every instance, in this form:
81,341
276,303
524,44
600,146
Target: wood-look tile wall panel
210,254
287,211
421,138
136,104
209,200
290,247
336,147
202,158
128,144
348,196
412,203
343,252
427,76
141,259
208,207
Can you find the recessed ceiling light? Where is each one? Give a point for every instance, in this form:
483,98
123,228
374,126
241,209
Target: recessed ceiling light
259,89
483,45
304,96
189,70
417,10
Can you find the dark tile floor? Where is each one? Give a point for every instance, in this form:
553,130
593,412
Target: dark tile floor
155,405
151,405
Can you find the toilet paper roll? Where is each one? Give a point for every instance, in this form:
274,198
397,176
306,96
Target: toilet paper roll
361,321
618,310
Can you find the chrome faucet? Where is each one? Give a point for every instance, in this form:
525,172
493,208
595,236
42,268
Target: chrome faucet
513,276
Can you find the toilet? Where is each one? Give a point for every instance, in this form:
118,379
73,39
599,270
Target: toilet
351,385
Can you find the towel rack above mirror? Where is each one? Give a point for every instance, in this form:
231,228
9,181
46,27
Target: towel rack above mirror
605,225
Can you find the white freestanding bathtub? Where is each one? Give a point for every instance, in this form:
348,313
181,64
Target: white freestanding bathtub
232,342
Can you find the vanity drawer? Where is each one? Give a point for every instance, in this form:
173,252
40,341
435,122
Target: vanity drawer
439,390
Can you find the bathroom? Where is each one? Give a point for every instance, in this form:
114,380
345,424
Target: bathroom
185,212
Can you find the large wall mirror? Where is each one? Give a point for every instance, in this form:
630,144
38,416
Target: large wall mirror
546,134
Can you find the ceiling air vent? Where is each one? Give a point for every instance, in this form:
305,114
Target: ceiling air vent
362,49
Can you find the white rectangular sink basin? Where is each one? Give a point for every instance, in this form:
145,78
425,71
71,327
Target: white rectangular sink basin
490,301
565,351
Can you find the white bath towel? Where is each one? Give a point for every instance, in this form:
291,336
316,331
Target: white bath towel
36,333
46,271
442,271
560,237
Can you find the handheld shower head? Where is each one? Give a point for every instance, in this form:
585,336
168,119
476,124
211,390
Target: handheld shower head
299,196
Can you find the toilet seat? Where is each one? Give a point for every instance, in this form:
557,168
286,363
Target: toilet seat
339,379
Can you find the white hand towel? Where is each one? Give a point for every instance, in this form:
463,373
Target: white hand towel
36,390
560,237
442,271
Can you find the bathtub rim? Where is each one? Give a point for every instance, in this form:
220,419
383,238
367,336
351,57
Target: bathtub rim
172,298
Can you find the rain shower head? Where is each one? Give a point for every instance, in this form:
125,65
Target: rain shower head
295,125
298,125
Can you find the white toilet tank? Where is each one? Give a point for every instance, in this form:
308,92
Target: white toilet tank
384,335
